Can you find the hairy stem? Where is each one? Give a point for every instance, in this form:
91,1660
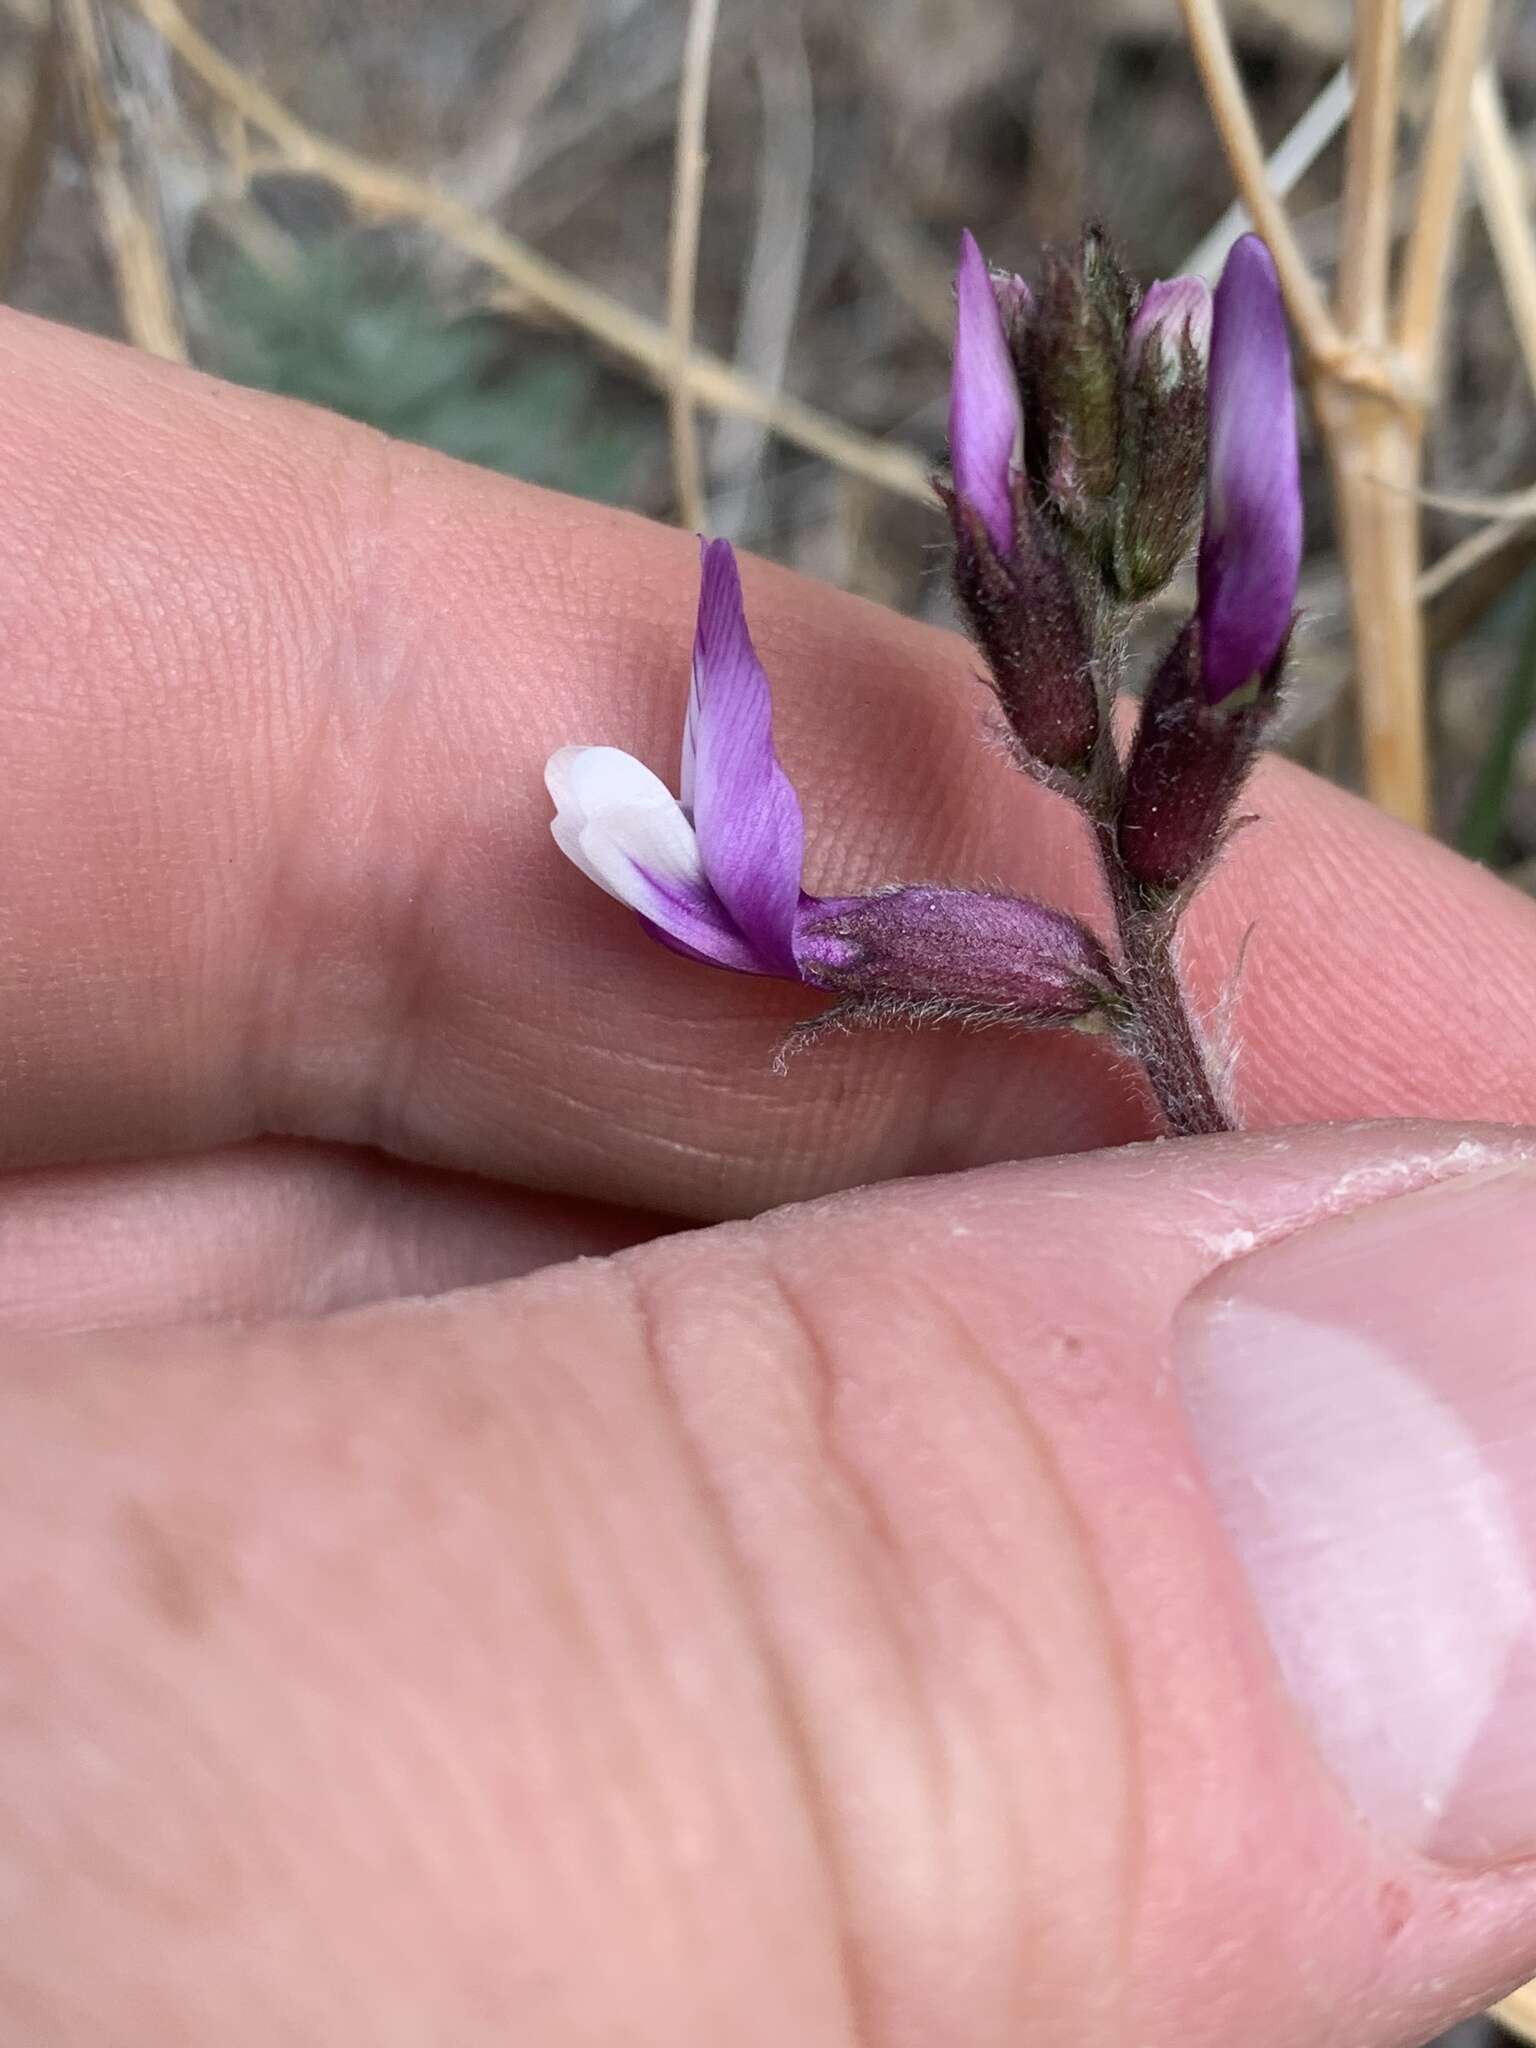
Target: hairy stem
1161,1032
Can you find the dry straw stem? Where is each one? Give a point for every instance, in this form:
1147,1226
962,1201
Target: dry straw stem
1375,441
1245,153
1304,143
125,197
775,265
1371,366
689,164
534,279
1426,261
1365,253
1470,554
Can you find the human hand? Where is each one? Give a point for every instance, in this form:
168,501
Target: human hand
829,1628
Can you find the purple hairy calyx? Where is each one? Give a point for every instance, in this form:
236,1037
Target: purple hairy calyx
963,951
1092,428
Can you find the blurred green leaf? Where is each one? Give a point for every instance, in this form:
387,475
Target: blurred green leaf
337,334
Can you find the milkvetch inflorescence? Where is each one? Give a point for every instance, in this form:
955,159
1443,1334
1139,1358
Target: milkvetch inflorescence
1093,428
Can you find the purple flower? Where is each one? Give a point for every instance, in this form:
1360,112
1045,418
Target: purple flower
717,875
1250,548
1015,300
1174,310
986,417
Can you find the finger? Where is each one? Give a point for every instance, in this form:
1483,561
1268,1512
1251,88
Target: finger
894,1621
276,700
270,1229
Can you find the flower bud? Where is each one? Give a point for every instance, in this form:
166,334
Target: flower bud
1076,340
1188,762
1250,548
1016,303
1172,322
1022,611
986,419
1162,460
959,950
1014,590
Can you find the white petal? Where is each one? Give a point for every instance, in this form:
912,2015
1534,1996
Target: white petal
626,831
612,815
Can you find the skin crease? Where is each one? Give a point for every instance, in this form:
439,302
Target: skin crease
814,1630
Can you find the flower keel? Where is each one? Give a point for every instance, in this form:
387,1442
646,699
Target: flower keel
625,830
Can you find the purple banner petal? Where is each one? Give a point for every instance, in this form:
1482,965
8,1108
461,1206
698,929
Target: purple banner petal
745,811
1250,549
986,421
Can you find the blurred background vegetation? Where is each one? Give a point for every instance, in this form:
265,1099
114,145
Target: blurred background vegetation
849,140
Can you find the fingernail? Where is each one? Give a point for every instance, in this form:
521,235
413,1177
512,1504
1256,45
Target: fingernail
1363,1399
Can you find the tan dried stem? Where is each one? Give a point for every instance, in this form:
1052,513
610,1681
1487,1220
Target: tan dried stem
1375,453
1469,555
1365,251
1375,441
1371,371
1427,258
533,279
126,200
690,162
1230,111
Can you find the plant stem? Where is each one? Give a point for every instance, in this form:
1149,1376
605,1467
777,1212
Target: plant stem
1162,1034
1375,451
377,189
1233,116
1370,151
122,180
683,257
1426,260
1371,377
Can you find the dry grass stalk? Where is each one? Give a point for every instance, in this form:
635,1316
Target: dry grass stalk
1365,260
1502,183
775,265
1375,443
125,196
1372,365
533,279
1233,116
1427,258
1470,554
1300,149
689,164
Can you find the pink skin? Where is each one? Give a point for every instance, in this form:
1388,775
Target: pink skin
814,1631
